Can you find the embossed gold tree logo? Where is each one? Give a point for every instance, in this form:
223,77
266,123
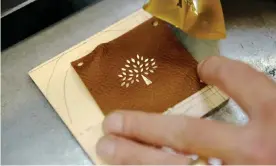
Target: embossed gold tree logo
136,69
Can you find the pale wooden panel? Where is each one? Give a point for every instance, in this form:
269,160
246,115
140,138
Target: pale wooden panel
62,87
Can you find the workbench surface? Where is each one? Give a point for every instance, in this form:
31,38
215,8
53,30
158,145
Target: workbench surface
32,133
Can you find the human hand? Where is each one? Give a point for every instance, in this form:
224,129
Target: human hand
137,137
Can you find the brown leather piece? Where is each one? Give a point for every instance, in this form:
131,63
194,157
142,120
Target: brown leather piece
165,70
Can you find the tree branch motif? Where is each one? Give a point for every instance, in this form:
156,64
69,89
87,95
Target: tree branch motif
136,69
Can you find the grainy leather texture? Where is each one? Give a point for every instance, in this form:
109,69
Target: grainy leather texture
145,69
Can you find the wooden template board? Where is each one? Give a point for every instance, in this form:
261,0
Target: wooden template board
65,91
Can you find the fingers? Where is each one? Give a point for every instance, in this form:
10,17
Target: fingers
116,150
248,87
197,136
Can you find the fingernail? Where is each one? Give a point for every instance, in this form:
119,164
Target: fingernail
105,149
113,123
